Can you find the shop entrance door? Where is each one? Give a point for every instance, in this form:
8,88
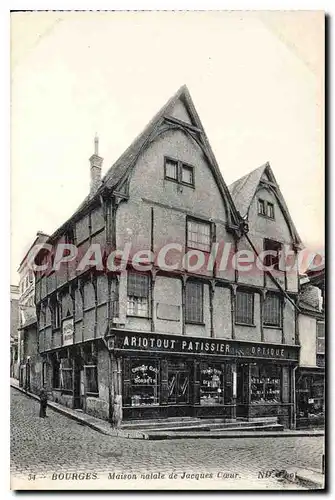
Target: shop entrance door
242,391
178,384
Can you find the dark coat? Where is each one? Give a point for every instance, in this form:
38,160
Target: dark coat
43,396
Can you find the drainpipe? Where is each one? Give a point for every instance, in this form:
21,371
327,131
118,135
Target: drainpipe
294,419
110,378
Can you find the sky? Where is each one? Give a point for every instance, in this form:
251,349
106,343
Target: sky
256,79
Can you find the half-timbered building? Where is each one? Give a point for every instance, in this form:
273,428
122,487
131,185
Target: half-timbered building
179,339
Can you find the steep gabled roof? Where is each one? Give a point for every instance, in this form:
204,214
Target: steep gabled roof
244,189
123,166
40,238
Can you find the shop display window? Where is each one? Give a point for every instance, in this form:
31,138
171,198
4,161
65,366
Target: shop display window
62,374
265,384
310,395
211,384
144,383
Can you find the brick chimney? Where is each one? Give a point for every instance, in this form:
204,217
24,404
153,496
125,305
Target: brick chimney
95,170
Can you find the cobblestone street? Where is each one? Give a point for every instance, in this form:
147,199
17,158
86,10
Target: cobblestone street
61,445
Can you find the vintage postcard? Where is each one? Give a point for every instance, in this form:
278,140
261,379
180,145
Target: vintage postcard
168,272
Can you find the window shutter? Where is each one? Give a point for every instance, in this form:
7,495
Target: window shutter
194,302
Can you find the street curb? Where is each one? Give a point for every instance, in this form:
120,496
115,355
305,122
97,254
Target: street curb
129,434
63,411
213,435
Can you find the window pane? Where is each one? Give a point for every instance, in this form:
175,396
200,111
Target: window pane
199,235
144,383
137,306
66,380
272,310
266,385
270,210
138,285
211,384
273,258
171,169
194,302
187,174
261,207
138,295
244,307
320,338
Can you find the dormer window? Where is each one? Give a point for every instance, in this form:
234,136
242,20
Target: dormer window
178,171
266,208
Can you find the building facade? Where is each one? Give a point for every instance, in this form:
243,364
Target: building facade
173,339
27,313
14,330
310,375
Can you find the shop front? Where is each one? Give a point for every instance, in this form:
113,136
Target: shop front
169,376
77,375
310,397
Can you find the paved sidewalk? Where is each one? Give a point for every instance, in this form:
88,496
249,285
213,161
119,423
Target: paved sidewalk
97,424
104,427
308,478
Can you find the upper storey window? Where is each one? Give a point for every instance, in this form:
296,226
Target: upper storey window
187,175
270,210
177,171
272,314
171,169
266,209
320,337
272,257
138,295
199,235
261,207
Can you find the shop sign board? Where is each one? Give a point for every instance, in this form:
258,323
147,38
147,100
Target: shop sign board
193,345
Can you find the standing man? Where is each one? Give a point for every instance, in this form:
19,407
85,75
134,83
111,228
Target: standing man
43,402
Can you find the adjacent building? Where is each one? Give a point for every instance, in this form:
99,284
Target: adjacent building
28,362
176,339
310,375
14,330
